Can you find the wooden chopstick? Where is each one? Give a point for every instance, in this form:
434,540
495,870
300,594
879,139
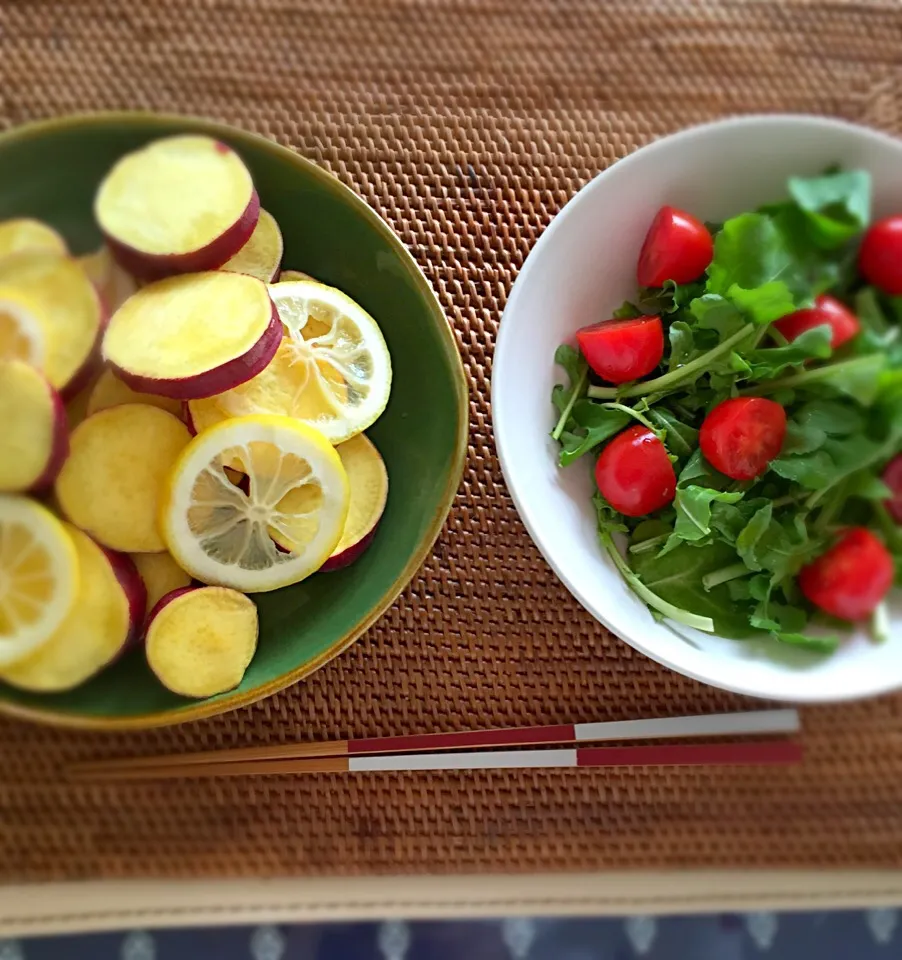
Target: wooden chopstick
710,725
762,753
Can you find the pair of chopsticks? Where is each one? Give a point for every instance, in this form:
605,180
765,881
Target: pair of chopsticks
434,751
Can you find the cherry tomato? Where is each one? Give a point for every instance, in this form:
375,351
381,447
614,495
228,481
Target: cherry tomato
634,473
741,436
622,350
826,309
892,477
880,256
851,578
677,247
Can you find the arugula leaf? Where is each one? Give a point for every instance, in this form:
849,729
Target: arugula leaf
728,520
608,519
590,424
677,579
802,438
610,523
815,270
830,417
879,332
698,468
811,470
769,362
562,397
680,437
713,312
867,487
769,545
626,311
669,298
682,345
763,304
858,378
693,513
837,205
749,252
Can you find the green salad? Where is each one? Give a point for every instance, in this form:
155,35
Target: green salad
744,415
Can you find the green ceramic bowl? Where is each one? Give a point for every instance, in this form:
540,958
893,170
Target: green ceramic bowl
51,170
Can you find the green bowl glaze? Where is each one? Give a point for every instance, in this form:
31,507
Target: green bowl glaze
51,170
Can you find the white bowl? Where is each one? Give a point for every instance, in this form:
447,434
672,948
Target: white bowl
582,267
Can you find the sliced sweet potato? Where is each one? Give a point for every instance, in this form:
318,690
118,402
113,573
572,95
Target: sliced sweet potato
34,439
105,617
113,481
194,336
161,575
287,275
23,233
114,284
200,640
369,490
67,308
22,337
110,391
261,255
77,404
181,204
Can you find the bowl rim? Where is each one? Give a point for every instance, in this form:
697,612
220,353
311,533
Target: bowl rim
514,486
229,702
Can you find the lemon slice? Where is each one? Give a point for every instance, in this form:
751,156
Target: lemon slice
21,334
38,576
218,531
332,369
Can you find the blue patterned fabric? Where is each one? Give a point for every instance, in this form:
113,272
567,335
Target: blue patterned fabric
862,935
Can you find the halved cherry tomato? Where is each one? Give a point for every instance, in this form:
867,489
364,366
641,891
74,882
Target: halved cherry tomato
826,310
622,350
892,477
741,436
880,256
677,247
851,578
634,473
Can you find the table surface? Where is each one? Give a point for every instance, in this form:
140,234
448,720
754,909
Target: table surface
862,934
467,124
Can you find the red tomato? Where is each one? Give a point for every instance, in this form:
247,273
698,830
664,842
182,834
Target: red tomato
826,309
622,350
677,247
892,477
851,578
634,474
880,256
741,436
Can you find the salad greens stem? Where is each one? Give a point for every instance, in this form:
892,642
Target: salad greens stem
565,415
652,599
724,575
645,545
669,380
888,527
829,510
880,627
630,412
804,378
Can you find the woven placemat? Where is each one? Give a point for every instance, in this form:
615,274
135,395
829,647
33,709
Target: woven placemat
467,124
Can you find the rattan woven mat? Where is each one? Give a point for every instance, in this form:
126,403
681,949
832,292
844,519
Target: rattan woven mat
467,124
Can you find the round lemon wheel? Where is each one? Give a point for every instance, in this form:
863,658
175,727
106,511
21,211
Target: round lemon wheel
38,576
332,370
217,530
